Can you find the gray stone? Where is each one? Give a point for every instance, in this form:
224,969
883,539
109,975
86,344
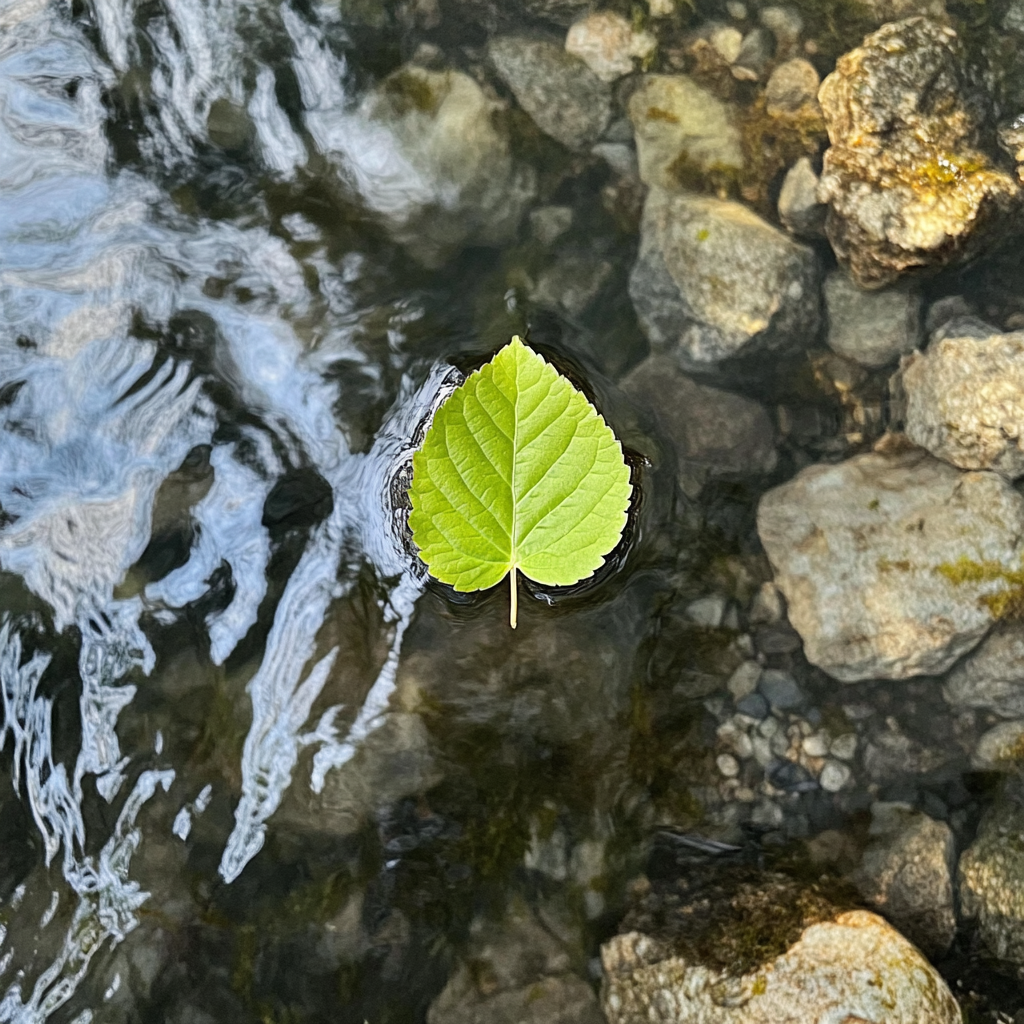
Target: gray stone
875,555
714,433
756,51
549,223
682,130
799,209
713,282
1001,748
563,96
872,328
965,401
744,680
834,776
853,967
991,677
780,689
429,202
792,85
908,186
571,284
785,24
754,706
906,874
991,876
515,972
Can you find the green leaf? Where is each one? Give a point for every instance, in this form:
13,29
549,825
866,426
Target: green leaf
518,473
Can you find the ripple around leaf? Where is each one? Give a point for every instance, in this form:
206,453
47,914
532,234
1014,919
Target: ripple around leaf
518,472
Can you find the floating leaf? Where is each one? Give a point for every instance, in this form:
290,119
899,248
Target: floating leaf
518,473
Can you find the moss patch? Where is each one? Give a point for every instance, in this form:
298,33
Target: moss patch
1006,601
732,920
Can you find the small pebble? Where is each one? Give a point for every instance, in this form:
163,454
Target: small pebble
816,745
780,689
745,795
744,680
728,765
844,747
768,606
727,41
834,776
753,705
769,727
791,86
766,814
550,222
736,10
762,751
707,611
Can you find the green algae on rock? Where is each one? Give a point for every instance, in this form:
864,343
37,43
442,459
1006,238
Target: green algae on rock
907,182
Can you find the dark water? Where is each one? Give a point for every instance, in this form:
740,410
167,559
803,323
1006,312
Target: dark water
255,767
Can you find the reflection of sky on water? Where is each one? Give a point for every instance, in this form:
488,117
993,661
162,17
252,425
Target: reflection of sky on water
96,417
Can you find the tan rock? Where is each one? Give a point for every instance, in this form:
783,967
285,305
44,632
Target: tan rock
607,44
893,563
908,186
682,129
855,967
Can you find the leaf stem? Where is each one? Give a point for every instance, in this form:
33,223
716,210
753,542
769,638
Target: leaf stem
513,614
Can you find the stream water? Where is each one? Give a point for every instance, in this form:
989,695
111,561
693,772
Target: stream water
253,765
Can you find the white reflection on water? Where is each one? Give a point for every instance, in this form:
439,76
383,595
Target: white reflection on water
93,420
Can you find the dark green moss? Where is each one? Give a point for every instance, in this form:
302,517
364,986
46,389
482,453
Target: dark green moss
734,919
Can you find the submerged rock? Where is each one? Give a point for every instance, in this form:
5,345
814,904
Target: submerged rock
714,282
906,874
991,677
907,185
435,167
991,877
792,85
608,44
515,972
563,96
893,563
714,433
799,209
965,401
871,328
683,132
836,967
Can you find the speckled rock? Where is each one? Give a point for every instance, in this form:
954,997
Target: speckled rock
563,96
871,328
411,124
713,282
515,972
991,876
855,967
965,402
991,677
714,433
906,874
893,563
682,132
907,185
608,44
